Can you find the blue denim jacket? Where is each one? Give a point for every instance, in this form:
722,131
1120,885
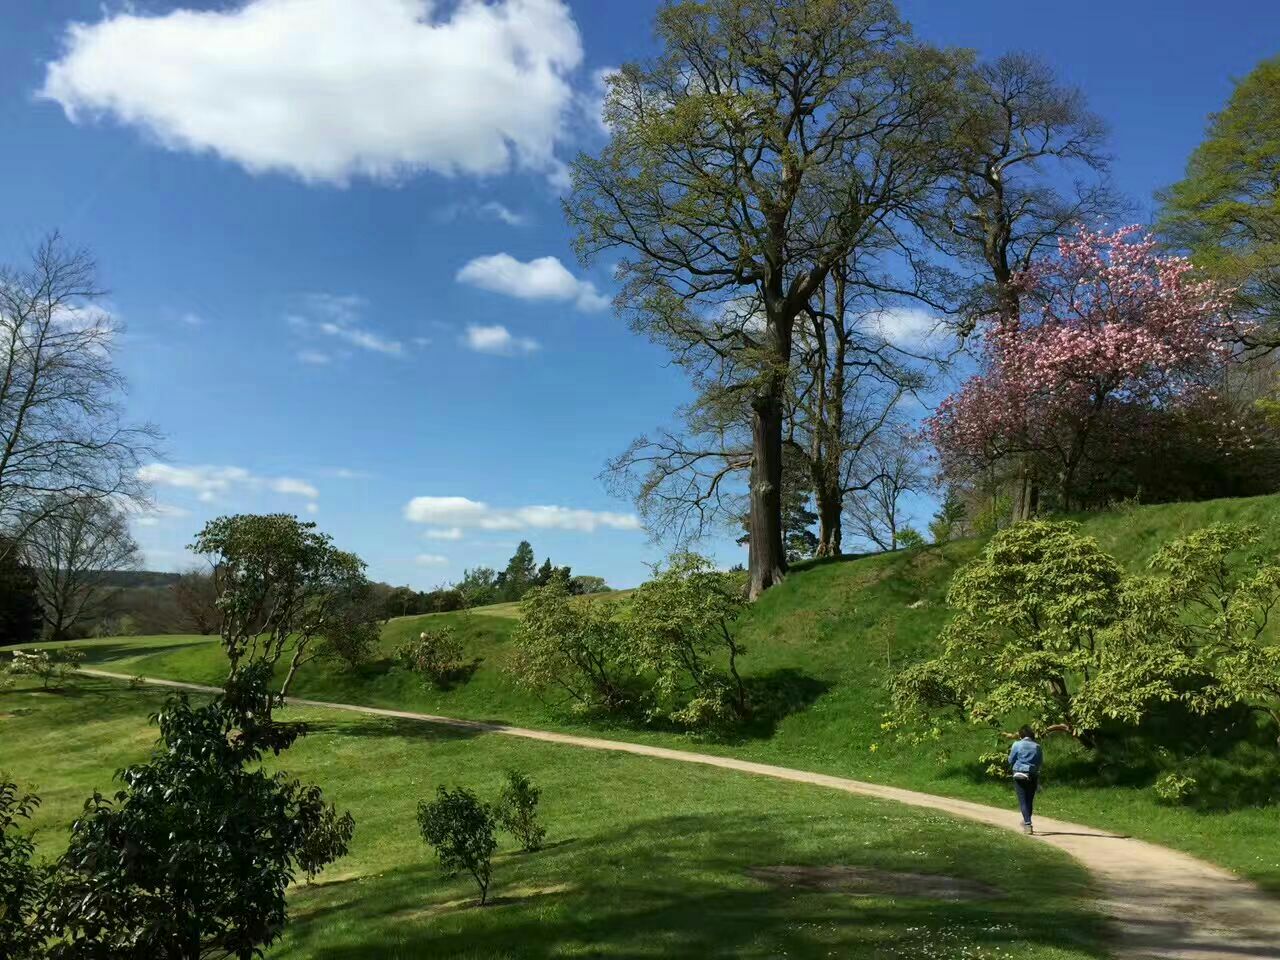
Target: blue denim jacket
1025,757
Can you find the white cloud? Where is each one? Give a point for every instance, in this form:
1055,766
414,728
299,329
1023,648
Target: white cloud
904,325
444,533
463,513
591,102
346,473
430,559
209,483
191,320
327,90
313,508
340,316
496,339
153,514
490,210
544,278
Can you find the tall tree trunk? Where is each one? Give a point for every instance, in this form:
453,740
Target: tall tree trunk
829,524
768,559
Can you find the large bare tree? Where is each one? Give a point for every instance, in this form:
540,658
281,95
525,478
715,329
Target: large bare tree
769,140
70,549
63,433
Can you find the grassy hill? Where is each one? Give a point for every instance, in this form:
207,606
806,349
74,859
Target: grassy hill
821,648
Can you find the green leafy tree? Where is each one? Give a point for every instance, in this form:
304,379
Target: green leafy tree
436,655
478,586
521,572
282,587
582,585
767,142
517,811
1034,638
460,828
53,667
1226,211
679,630
22,883
951,513
545,573
1210,604
192,857
571,647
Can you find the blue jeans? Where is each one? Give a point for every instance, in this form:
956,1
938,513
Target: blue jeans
1026,791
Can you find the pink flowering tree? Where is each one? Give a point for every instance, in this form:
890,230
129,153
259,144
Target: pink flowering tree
1109,333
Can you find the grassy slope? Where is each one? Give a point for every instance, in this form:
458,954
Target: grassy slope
825,642
645,858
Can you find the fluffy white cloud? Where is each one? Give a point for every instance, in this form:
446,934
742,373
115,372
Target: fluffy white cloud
544,278
496,339
327,90
444,533
154,514
209,483
904,325
463,513
430,559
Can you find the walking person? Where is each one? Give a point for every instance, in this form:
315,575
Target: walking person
1025,759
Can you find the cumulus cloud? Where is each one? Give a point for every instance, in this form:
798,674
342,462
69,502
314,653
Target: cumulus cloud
496,339
463,513
904,325
430,559
328,90
209,483
544,278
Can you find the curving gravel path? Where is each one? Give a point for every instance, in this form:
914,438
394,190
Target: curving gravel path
1163,903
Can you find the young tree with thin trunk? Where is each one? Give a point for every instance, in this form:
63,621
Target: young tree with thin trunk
69,551
63,434
891,466
767,142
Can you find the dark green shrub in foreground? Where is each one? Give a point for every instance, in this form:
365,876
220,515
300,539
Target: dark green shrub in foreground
192,858
21,883
460,829
517,811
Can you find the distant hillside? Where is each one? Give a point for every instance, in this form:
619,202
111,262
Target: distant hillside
139,578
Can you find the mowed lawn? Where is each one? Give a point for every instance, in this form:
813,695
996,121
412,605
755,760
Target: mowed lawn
645,858
821,649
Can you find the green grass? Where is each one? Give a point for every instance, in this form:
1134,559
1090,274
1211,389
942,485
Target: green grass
645,858
824,644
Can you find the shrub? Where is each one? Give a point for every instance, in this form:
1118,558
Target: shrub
909,538
436,655
326,837
571,646
52,667
460,830
1175,788
21,883
679,631
517,811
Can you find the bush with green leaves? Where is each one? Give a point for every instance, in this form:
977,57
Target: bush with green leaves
435,655
53,667
1031,639
909,538
679,634
21,881
460,828
516,811
192,857
571,649
1175,788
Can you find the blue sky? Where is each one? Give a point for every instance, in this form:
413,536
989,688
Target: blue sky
339,252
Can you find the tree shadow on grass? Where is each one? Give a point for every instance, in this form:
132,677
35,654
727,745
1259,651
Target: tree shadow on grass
375,727
677,886
105,654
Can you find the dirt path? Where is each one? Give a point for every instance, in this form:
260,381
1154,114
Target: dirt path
1164,903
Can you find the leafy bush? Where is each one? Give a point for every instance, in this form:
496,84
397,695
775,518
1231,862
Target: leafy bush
679,632
571,646
52,667
909,538
460,830
193,856
21,883
436,655
517,811
1175,788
